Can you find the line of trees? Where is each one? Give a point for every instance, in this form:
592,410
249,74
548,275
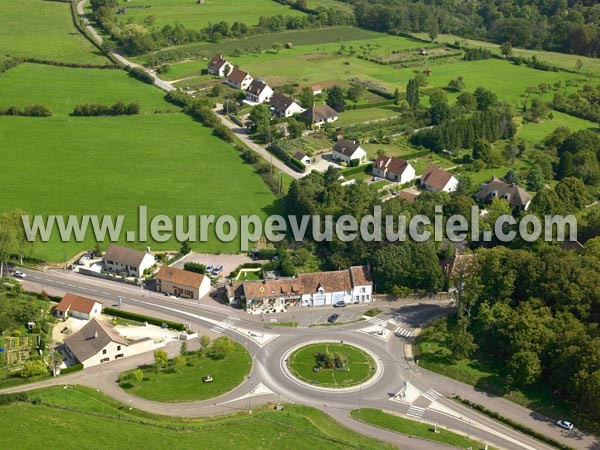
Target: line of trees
585,103
27,111
118,109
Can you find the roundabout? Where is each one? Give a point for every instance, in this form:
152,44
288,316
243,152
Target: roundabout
331,366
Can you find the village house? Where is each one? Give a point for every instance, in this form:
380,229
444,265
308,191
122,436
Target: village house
317,89
78,307
98,342
308,289
436,179
347,151
219,66
182,283
318,116
126,260
258,92
516,196
284,106
393,169
238,79
303,158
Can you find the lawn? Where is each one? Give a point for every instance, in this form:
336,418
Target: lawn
433,352
60,411
61,88
413,428
45,30
361,366
165,161
192,15
566,61
356,116
186,385
535,132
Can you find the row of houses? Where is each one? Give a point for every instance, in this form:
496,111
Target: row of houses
353,285
257,92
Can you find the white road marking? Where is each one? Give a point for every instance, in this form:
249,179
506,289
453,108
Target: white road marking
432,395
416,411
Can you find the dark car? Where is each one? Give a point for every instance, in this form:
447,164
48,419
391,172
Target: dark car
332,318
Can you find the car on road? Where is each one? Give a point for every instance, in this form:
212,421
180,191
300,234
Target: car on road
339,304
333,318
217,270
19,274
564,424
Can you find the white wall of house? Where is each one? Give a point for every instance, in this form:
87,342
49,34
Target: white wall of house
243,85
359,154
407,175
362,294
96,310
294,108
264,96
172,288
225,69
118,267
450,186
115,350
326,298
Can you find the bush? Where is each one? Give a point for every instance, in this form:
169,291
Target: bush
140,74
70,369
118,109
33,368
142,318
27,111
297,164
7,399
194,267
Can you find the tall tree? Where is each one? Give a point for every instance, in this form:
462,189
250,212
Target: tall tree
13,241
412,94
335,98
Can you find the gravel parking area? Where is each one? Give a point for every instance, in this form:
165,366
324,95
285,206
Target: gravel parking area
229,262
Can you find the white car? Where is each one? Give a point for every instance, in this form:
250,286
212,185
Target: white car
564,424
19,274
83,260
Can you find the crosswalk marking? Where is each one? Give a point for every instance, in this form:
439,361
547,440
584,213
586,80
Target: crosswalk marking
432,395
376,321
404,332
225,324
416,411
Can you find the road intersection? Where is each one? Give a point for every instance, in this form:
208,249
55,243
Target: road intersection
400,387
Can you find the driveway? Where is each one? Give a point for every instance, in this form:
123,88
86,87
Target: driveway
229,262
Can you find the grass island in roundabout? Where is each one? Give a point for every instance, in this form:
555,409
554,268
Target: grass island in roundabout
331,364
191,376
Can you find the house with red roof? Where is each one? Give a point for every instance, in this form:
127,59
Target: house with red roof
436,179
393,169
78,307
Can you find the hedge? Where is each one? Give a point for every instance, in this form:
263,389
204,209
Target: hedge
516,425
296,164
371,105
142,318
74,368
357,169
7,399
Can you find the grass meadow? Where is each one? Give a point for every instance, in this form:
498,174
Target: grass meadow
111,165
45,30
61,88
191,14
60,411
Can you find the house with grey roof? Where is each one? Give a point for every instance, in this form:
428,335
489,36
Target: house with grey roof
516,196
127,260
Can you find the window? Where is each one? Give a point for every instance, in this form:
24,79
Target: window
104,352
363,289
103,360
118,348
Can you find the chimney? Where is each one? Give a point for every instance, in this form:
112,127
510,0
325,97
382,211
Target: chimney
95,334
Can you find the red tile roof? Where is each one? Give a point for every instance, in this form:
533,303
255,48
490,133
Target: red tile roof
435,177
237,75
329,281
76,303
179,276
393,165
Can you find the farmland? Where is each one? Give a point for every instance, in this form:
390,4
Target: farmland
191,14
68,161
45,30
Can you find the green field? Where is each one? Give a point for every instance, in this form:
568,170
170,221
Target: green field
566,61
356,116
92,414
412,428
45,30
191,14
104,165
361,365
186,385
61,88
535,132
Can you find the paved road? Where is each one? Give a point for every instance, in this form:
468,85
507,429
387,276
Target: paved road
269,382
243,136
157,81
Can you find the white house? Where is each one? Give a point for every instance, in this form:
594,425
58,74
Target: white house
436,179
119,259
303,158
238,79
309,289
79,307
219,66
317,89
258,92
98,342
284,106
182,283
347,151
320,115
393,169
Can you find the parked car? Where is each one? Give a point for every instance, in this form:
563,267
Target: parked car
83,260
217,270
564,424
332,318
339,304
209,268
19,274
